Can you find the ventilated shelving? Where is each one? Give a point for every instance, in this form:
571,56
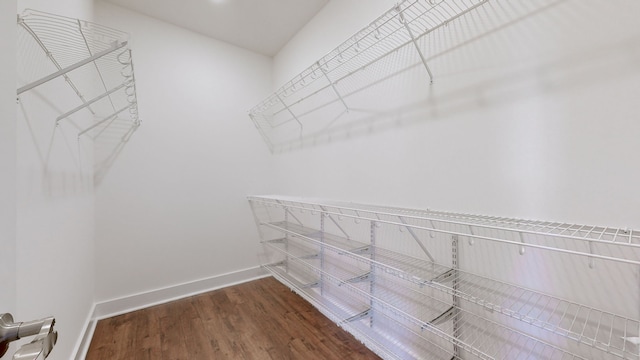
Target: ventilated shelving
90,61
385,72
439,285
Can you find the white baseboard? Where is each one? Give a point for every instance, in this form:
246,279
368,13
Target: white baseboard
126,304
82,346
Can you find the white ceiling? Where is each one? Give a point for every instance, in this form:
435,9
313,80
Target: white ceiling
263,26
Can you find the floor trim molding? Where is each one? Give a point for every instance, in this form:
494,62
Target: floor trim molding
126,304
82,345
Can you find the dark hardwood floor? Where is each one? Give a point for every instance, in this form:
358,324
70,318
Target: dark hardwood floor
261,319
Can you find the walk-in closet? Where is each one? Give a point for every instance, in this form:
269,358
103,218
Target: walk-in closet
320,179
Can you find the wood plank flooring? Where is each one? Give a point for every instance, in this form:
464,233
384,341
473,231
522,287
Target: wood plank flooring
261,319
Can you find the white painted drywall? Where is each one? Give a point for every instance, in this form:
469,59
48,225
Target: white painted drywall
172,209
7,158
553,137
55,203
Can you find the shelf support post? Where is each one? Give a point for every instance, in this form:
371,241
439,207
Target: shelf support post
456,299
286,240
322,216
413,40
372,276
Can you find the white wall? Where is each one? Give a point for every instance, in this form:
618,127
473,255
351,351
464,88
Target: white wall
551,136
172,209
7,157
55,219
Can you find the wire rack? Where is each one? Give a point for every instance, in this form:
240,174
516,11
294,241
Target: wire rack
397,56
90,61
592,242
350,308
477,315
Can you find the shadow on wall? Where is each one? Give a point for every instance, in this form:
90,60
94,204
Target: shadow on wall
108,146
69,162
493,53
67,159
53,161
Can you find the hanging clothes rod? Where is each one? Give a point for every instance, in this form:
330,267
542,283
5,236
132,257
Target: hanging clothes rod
61,72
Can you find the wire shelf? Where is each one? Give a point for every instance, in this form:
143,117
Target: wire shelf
525,323
504,343
592,241
381,336
601,234
397,56
94,63
601,329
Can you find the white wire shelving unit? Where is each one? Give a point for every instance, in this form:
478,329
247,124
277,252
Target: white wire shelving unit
384,71
93,63
440,285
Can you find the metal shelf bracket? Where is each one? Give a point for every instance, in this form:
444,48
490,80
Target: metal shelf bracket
444,317
359,316
357,279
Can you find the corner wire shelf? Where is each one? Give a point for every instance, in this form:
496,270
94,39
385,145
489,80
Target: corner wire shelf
96,64
489,318
395,57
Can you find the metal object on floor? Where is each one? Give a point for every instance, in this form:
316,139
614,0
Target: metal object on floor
41,345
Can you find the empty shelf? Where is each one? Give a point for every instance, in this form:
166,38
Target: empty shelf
475,335
593,327
331,90
592,242
464,313
349,305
